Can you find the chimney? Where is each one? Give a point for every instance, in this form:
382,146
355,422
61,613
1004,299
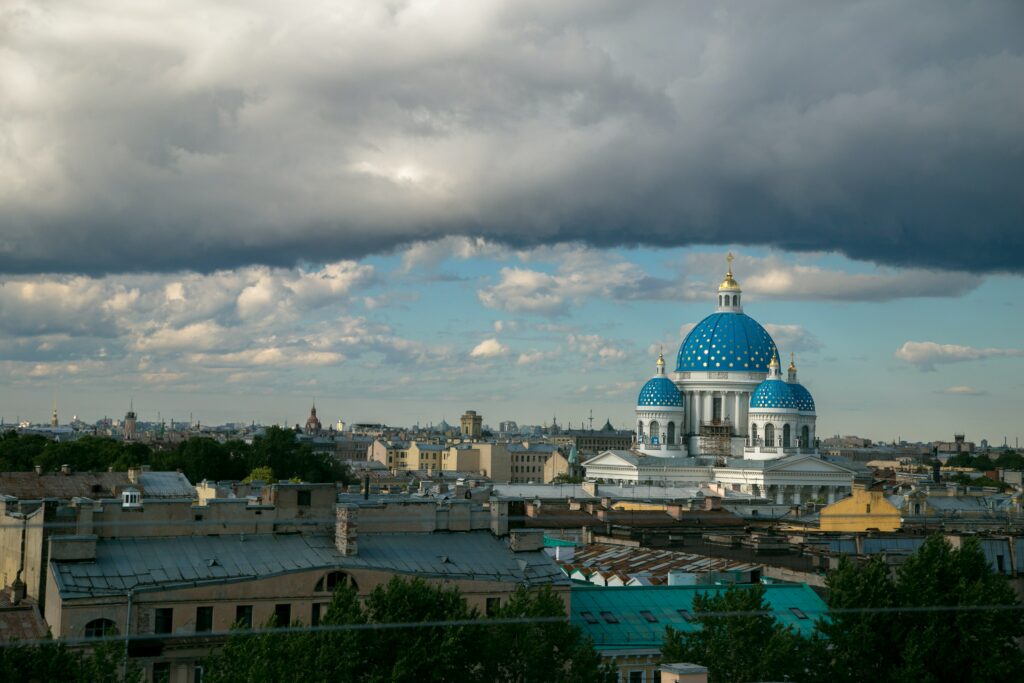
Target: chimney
39,470
345,532
17,591
65,469
712,503
133,475
590,487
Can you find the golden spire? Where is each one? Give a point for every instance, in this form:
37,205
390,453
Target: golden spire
661,362
775,361
729,284
792,363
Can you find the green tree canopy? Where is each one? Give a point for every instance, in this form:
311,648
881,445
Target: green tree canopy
972,643
528,653
747,646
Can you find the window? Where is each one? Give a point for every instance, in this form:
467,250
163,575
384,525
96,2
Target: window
319,610
798,613
97,628
805,436
636,677
785,436
649,616
163,620
671,437
609,617
283,614
493,605
162,672
589,617
333,580
716,409
685,614
243,616
753,434
769,435
204,619
867,509
305,498
735,299
197,673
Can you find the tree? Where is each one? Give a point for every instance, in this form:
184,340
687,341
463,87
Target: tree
53,661
747,646
924,643
555,651
264,474
861,644
377,651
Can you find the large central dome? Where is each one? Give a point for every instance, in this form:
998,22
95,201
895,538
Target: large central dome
726,342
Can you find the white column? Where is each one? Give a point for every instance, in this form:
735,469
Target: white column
698,404
739,424
780,495
709,407
831,494
796,494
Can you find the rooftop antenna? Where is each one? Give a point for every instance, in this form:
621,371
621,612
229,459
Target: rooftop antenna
591,419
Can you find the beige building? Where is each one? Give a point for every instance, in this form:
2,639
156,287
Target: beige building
185,573
472,425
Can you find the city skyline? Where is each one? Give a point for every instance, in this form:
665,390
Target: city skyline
406,211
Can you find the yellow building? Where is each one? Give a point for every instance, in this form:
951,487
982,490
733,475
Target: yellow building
865,509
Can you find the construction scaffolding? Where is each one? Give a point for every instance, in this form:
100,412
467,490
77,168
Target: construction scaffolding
716,439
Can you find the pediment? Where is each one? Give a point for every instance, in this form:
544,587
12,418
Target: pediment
610,458
806,463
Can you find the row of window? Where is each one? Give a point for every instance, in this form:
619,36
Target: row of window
785,440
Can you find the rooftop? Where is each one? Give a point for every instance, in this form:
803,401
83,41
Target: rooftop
124,563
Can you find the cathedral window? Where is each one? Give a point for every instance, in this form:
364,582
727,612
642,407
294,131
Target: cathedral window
785,436
671,438
769,435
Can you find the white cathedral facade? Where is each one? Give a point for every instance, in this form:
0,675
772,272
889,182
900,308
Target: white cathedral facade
727,415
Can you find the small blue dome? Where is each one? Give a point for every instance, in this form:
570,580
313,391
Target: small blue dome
774,393
804,401
726,342
660,391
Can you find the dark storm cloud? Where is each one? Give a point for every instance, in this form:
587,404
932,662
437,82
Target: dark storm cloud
157,140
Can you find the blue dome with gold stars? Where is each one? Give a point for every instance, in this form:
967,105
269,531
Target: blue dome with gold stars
726,342
775,394
660,391
804,401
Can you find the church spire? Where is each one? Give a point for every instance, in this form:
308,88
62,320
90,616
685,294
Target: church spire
661,363
774,369
792,369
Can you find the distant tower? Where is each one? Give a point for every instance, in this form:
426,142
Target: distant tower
313,425
129,422
53,418
472,425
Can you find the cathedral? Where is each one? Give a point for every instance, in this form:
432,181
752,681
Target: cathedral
727,415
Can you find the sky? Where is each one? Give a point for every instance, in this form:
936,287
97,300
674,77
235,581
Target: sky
403,210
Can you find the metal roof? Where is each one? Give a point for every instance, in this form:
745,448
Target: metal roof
626,561
124,563
166,485
615,617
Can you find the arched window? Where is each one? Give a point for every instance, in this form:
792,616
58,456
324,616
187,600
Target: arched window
753,434
640,431
334,579
97,628
805,436
785,436
671,438
719,299
735,299
769,434
655,434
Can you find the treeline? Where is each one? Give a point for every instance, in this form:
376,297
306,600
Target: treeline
543,648
944,616
1008,460
198,458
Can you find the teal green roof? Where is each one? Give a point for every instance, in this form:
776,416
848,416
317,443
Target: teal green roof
643,612
557,542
